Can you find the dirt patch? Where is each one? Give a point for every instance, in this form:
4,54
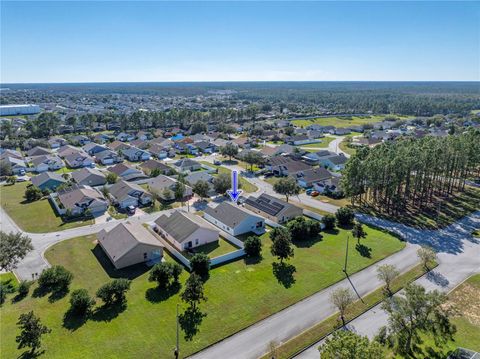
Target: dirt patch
464,302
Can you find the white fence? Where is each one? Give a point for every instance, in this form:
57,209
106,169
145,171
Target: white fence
227,257
173,251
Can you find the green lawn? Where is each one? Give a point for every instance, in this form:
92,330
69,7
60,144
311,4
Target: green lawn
65,170
239,294
343,121
324,144
341,202
214,249
245,185
345,148
35,217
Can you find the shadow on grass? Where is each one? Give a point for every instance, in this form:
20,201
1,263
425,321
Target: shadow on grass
309,242
130,272
157,295
190,322
72,321
107,313
55,293
284,273
333,231
31,355
253,260
364,250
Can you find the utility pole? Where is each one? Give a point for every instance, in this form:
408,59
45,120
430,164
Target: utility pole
177,347
346,256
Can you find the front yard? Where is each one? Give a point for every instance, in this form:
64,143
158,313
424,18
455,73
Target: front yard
35,217
239,294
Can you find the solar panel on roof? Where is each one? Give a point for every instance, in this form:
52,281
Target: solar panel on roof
265,205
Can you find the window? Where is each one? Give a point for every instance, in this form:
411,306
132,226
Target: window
144,255
196,241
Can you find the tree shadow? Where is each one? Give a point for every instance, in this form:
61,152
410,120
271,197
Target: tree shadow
333,231
157,294
72,321
55,293
307,243
107,313
437,278
284,273
18,298
190,322
31,355
253,260
364,250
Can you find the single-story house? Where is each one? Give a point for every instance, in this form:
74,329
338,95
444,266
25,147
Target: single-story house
129,243
79,160
89,176
4,153
93,148
135,154
80,140
127,172
17,165
48,180
56,142
187,164
285,166
185,230
125,137
273,208
331,185
126,194
300,140
143,135
47,163
158,150
233,219
150,165
118,146
108,157
335,163
197,176
206,147
164,187
68,150
38,151
306,179
101,138
78,199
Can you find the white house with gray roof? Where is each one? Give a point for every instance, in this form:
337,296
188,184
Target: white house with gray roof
126,194
233,219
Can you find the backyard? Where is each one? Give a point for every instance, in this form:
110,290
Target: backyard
239,294
245,185
36,217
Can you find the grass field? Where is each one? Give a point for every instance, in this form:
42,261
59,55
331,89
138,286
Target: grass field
35,217
239,294
344,147
324,144
341,202
214,249
339,121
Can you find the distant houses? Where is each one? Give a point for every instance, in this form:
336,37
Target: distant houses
125,194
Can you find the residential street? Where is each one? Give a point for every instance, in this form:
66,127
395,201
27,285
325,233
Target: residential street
458,256
253,341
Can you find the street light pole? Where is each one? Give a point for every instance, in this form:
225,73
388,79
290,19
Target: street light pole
346,256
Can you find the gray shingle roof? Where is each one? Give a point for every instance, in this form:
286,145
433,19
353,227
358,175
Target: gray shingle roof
228,214
180,225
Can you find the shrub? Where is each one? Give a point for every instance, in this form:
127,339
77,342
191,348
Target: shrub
56,277
80,302
303,229
165,274
114,291
345,216
329,221
253,246
33,193
200,264
24,288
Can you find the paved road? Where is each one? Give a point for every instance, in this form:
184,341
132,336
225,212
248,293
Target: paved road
252,342
34,262
458,256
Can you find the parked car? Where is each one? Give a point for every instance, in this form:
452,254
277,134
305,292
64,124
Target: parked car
131,210
217,163
314,193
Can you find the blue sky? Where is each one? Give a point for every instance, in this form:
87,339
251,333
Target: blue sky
114,41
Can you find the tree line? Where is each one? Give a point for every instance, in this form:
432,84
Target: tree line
412,171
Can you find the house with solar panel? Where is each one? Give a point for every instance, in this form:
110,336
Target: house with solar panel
273,208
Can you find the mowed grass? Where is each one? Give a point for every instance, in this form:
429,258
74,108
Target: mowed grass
36,217
214,249
239,294
324,144
342,122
